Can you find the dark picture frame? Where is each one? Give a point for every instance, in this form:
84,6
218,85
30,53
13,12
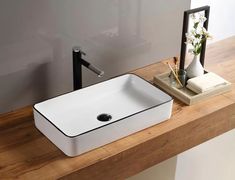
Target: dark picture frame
187,13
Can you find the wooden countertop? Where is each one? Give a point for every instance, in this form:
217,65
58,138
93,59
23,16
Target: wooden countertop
26,154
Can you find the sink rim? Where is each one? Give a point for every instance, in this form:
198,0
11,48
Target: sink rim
170,99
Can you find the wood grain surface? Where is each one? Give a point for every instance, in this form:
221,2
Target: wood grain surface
26,154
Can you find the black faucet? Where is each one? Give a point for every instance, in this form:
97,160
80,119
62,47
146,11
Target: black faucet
77,68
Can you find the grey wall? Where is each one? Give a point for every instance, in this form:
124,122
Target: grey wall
36,38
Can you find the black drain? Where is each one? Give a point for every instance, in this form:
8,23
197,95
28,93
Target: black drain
104,117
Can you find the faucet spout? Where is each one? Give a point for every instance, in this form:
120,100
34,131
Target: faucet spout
97,71
77,68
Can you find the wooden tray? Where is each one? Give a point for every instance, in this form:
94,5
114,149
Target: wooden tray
186,95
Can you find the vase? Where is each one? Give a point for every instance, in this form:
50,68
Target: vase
195,68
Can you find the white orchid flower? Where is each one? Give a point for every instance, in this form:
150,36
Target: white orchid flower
198,34
203,30
197,40
202,18
198,30
193,16
193,31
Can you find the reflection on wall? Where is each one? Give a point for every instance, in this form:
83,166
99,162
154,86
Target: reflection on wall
36,38
125,36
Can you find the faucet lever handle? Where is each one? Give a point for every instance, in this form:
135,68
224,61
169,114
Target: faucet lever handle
83,53
78,49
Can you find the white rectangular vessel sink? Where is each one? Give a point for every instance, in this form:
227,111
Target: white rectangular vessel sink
88,118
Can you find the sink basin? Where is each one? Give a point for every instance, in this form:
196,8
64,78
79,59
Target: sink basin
88,118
